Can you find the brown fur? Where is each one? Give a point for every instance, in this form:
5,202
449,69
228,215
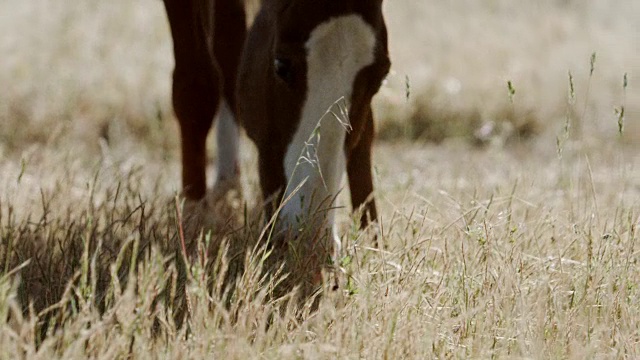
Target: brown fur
208,37
270,108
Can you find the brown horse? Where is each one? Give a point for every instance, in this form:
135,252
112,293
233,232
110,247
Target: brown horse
305,81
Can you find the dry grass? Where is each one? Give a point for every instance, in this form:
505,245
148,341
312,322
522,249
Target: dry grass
508,251
483,257
458,57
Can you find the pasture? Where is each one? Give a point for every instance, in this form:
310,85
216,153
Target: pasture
509,213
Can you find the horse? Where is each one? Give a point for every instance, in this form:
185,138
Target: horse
300,82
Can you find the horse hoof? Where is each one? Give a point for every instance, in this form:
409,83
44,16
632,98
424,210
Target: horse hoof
225,189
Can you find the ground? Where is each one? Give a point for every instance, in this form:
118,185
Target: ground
493,241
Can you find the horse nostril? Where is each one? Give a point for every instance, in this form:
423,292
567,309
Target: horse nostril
283,69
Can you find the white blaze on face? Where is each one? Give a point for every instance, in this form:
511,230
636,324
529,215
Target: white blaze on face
336,52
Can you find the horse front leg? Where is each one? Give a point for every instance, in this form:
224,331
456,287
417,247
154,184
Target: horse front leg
359,173
195,102
230,31
196,87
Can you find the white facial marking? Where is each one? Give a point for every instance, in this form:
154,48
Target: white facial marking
336,52
227,137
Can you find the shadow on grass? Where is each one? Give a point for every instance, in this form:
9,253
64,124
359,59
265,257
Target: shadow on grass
128,261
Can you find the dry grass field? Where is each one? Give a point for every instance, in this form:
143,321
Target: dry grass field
509,215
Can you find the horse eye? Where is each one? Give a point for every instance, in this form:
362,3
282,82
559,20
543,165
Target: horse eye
283,69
